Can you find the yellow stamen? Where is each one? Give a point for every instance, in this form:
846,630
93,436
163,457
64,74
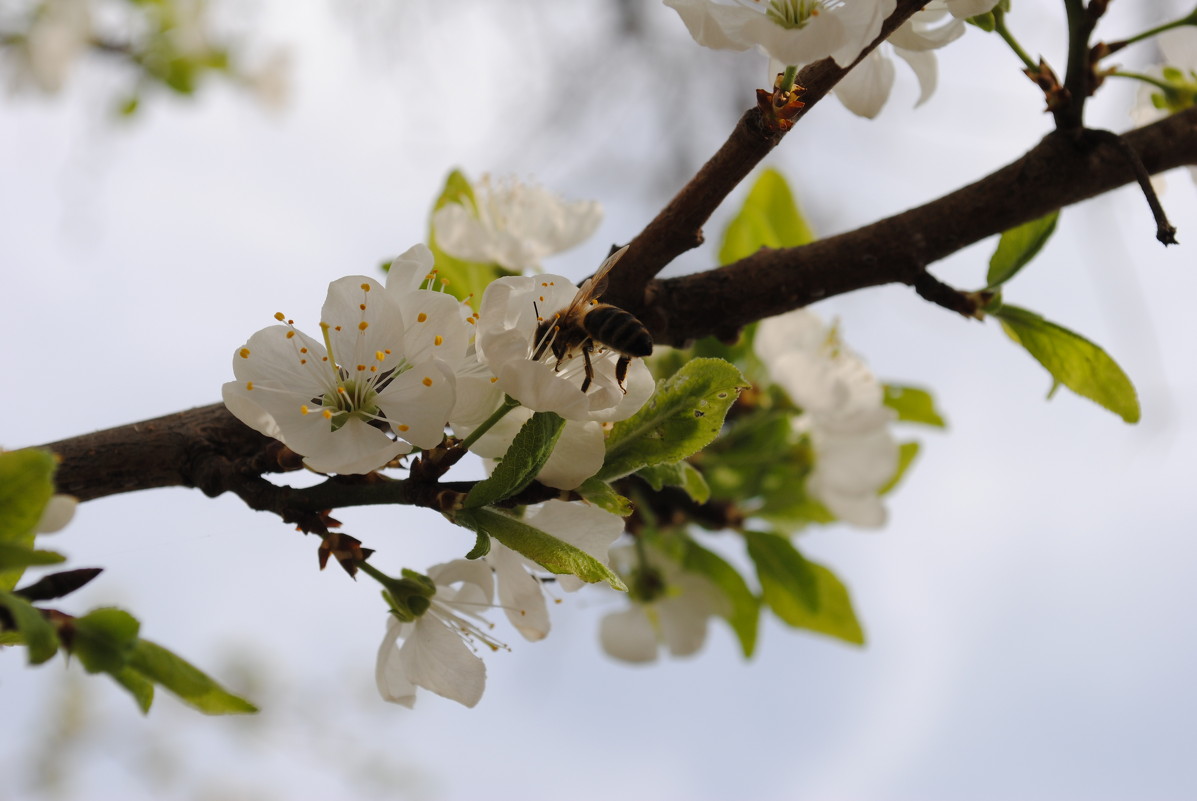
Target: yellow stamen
427,381
244,352
422,317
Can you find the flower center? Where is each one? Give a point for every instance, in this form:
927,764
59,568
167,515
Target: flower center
794,13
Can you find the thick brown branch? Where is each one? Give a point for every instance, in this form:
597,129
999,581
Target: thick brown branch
1061,170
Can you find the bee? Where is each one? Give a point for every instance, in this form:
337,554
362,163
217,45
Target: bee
586,325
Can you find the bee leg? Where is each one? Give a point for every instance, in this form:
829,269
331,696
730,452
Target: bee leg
589,368
621,372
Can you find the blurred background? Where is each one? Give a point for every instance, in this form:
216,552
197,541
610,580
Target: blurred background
1027,608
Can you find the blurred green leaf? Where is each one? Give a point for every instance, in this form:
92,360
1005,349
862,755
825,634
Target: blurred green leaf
35,631
682,417
802,593
1073,361
528,453
1018,246
104,639
768,218
141,688
554,555
18,556
907,452
677,474
189,683
26,485
744,606
913,405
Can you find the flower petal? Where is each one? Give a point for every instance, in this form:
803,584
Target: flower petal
629,635
436,658
520,593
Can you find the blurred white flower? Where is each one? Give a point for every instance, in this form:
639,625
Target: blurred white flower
843,411
376,371
794,32
58,35
59,511
508,319
676,618
437,652
577,456
513,224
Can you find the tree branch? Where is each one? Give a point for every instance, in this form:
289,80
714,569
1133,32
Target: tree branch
1061,170
209,449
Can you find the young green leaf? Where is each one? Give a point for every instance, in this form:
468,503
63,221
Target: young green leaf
677,474
141,688
1073,361
528,453
104,639
744,607
36,632
1017,247
802,593
189,683
600,493
18,556
26,485
907,451
552,554
913,405
768,218
682,417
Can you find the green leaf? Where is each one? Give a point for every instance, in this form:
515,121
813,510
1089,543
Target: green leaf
18,556
913,405
481,546
677,474
907,451
36,632
802,593
744,607
1017,247
1073,361
528,453
141,688
189,683
602,495
463,279
681,418
769,218
554,555
104,639
26,485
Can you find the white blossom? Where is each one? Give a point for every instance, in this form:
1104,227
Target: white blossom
676,619
794,32
865,89
513,224
436,651
385,367
506,342
56,38
843,411
520,581
1178,47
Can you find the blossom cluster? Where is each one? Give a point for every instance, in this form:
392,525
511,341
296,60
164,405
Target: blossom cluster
799,32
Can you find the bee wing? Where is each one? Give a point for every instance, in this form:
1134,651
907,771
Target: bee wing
596,284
